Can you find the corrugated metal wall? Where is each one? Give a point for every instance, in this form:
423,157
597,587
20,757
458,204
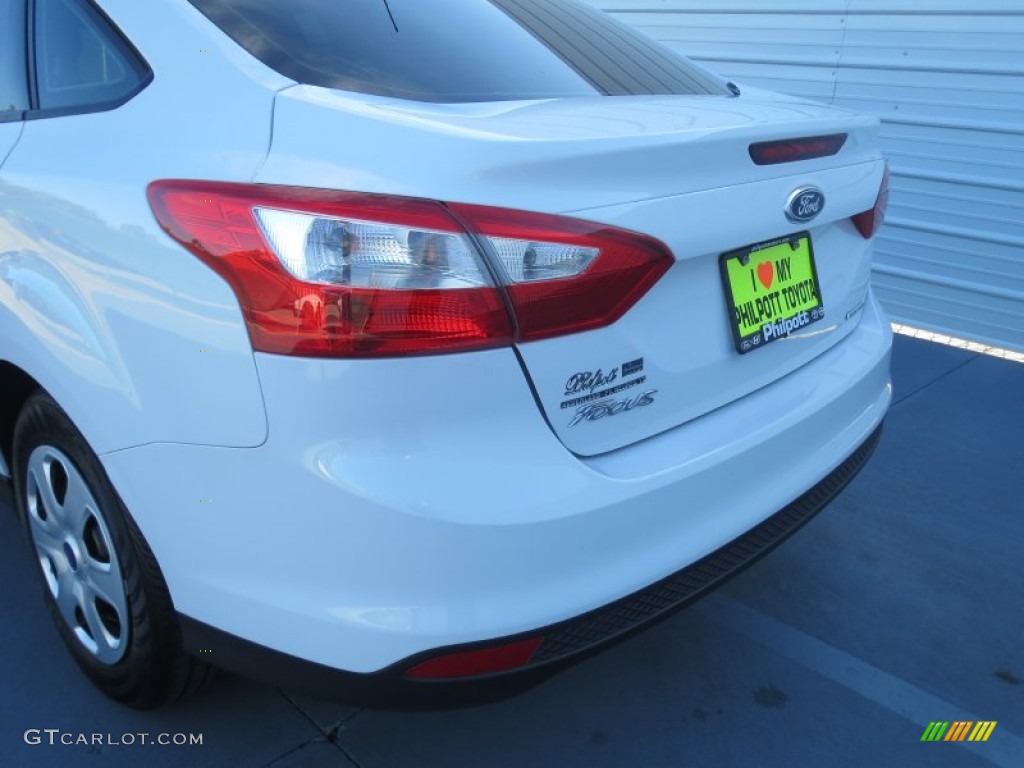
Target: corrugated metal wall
947,79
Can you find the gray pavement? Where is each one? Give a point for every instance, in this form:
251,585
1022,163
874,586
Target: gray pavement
900,604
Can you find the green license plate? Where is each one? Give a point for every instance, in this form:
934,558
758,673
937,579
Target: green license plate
772,290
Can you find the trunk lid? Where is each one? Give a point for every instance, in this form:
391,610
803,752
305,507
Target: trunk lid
676,168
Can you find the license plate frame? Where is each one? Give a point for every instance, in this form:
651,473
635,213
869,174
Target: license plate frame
766,304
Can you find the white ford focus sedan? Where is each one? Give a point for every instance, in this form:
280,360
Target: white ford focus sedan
405,352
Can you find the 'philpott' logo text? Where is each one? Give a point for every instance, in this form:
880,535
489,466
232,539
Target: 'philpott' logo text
786,326
588,381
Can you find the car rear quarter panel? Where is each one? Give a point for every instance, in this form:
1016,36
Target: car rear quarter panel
131,334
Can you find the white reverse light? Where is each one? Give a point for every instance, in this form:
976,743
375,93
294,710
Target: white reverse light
364,254
526,261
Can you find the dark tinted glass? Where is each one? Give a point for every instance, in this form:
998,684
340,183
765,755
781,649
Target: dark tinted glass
13,82
80,60
456,50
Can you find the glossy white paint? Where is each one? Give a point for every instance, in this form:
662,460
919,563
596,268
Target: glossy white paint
136,339
355,512
370,527
552,156
9,135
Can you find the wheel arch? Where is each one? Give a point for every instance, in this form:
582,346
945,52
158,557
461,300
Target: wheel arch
17,387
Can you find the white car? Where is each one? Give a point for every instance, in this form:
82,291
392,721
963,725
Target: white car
406,351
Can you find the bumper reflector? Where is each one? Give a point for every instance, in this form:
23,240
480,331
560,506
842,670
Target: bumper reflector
482,661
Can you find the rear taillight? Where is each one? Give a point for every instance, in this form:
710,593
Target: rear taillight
341,274
565,275
869,222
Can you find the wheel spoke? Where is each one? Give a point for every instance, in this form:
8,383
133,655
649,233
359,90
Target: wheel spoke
68,597
105,582
78,502
102,581
46,535
108,647
44,497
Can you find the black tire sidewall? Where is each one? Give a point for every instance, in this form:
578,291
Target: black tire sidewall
144,676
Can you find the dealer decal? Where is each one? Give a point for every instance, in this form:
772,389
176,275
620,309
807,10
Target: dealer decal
589,386
588,381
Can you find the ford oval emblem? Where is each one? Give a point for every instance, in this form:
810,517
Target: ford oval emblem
804,204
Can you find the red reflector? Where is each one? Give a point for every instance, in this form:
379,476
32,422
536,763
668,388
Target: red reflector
790,150
479,662
870,221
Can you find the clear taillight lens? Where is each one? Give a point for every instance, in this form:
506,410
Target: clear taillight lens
364,254
339,274
526,261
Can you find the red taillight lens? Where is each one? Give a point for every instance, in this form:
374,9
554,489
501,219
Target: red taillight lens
791,150
483,661
869,222
566,275
340,274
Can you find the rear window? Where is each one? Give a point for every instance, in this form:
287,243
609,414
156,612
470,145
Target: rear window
457,50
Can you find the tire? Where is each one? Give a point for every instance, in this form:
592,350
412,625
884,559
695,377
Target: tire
101,583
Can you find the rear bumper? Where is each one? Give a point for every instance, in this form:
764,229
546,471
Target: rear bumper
564,643
374,527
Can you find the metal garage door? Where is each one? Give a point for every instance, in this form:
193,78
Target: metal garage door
947,79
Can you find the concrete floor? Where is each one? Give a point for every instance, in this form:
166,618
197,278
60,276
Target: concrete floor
901,604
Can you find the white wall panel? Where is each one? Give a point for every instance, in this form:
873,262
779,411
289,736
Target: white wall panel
947,79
